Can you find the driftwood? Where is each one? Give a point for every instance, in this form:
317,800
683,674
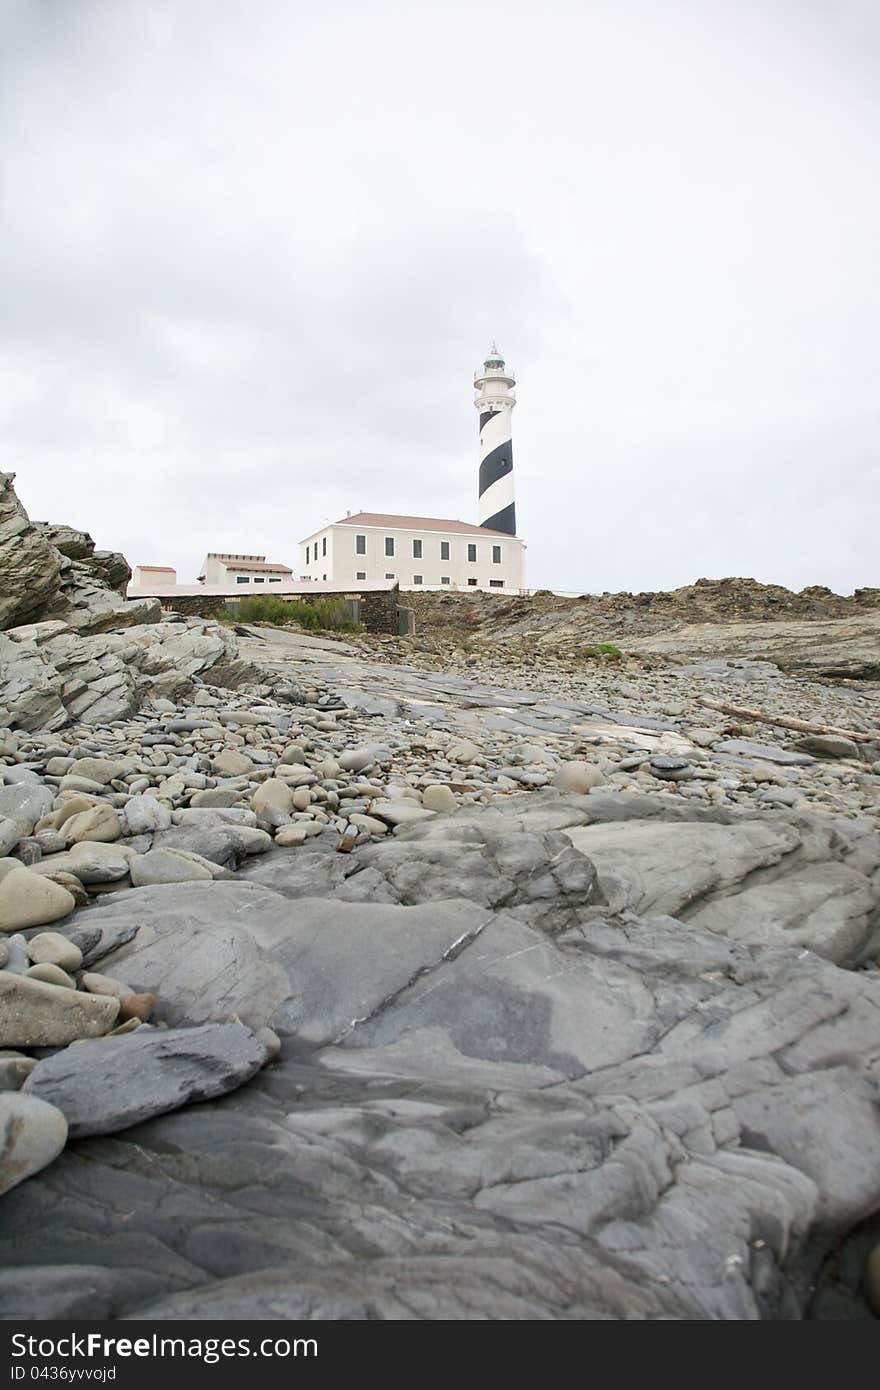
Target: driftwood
784,722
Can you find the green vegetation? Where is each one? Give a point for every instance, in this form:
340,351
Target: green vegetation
604,650
315,615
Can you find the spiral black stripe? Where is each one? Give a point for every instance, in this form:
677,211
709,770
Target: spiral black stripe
494,466
505,520
485,417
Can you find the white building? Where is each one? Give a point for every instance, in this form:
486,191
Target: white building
427,552
153,576
219,570
416,551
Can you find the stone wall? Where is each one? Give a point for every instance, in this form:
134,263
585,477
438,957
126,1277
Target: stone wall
377,609
195,605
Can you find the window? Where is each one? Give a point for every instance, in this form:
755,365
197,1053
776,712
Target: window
361,574
445,579
241,579
307,555
259,580
324,577
472,554
274,581
444,550
496,555
324,548
417,550
473,583
388,576
496,583
389,547
360,545
417,579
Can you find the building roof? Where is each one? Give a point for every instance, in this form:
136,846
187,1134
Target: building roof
255,565
419,523
157,569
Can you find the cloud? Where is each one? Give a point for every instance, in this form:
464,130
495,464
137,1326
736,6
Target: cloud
252,255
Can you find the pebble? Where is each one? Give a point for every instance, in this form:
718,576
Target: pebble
578,777
290,835
166,866
30,900
32,1134
50,947
438,798
99,823
34,1014
144,814
50,975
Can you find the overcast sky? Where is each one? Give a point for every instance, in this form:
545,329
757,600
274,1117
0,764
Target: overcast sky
252,251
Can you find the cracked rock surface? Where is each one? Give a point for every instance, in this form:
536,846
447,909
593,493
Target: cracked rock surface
564,1057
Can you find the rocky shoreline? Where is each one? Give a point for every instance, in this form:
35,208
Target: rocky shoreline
333,986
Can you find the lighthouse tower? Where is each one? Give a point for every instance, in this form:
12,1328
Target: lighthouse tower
495,402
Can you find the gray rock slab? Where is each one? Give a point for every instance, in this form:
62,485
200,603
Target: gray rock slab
305,967
107,1086
651,867
767,752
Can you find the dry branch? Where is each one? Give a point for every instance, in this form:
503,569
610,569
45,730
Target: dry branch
784,722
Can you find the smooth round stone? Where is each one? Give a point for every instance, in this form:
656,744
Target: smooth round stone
438,798
357,759
100,823
144,814
463,752
50,975
222,797
137,1006
50,841
100,770
291,835
533,753
302,798
24,804
4,954
17,959
370,823
165,866
231,764
9,836
96,983
32,1134
71,783
30,900
293,754
51,948
578,777
272,793
670,769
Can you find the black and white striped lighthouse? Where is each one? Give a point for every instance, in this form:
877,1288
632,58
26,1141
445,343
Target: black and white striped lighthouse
495,402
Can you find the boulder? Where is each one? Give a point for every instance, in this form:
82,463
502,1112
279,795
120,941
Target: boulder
29,563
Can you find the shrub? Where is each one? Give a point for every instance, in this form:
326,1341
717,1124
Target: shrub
315,615
604,650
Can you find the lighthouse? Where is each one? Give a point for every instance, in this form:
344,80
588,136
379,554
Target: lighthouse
495,401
